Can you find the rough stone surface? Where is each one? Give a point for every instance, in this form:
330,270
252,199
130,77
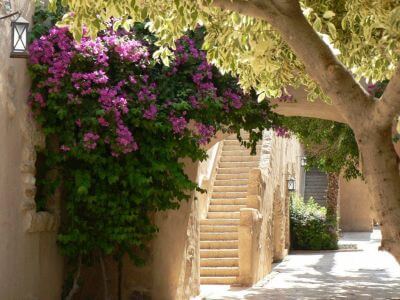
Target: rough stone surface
353,275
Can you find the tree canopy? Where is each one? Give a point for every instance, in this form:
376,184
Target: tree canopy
364,34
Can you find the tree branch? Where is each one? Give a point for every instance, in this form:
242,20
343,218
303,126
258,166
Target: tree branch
321,64
301,107
389,105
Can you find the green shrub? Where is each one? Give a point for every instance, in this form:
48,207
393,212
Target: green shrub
310,229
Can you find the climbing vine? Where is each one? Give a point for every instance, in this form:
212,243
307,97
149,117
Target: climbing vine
118,125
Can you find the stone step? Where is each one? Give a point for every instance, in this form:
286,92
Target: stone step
219,222
236,147
225,195
230,182
240,152
219,262
218,236
219,271
232,176
241,164
226,244
225,208
230,188
242,170
229,201
233,137
232,142
219,253
223,215
218,228
227,280
247,158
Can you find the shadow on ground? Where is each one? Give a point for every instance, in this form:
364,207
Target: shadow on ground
367,274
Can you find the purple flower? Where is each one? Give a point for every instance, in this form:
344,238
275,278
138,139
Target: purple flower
103,122
151,112
90,140
234,99
125,139
194,102
38,98
178,124
205,132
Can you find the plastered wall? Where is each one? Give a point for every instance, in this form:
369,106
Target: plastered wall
30,266
355,206
280,157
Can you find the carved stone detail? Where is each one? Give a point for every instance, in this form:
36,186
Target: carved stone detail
34,221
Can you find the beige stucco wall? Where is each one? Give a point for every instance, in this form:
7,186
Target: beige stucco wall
269,237
30,267
355,206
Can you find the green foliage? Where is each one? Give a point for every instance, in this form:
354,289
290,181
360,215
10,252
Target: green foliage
330,146
367,34
309,227
118,140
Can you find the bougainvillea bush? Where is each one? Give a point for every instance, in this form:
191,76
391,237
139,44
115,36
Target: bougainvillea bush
118,125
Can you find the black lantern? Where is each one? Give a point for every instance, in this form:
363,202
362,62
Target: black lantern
303,161
291,184
19,38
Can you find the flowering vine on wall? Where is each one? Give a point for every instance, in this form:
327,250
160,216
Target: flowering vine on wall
118,124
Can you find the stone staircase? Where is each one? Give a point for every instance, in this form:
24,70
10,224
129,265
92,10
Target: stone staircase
219,254
316,185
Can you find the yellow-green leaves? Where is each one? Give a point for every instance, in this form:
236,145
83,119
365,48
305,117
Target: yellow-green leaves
366,33
328,14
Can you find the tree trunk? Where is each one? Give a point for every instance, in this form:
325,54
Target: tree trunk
332,196
370,118
332,205
379,164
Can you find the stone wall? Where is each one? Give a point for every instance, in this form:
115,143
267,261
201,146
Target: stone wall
355,206
30,265
263,231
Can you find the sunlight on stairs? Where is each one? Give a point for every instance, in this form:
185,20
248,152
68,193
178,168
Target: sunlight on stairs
219,254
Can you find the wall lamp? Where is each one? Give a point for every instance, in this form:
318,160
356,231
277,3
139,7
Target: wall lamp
19,33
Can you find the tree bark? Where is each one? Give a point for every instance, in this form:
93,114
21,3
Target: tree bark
332,196
381,172
371,119
332,204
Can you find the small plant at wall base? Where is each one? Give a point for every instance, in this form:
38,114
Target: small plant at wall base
310,228
118,124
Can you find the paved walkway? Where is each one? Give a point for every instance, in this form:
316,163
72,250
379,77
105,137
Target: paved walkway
364,274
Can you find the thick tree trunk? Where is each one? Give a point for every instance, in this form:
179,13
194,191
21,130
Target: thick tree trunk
370,118
332,204
332,196
380,167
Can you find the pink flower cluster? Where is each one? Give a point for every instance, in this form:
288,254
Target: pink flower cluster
205,132
90,140
84,82
178,124
232,99
282,132
58,53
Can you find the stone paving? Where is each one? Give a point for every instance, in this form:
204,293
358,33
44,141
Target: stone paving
363,274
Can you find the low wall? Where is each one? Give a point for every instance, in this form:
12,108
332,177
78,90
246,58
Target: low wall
355,206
